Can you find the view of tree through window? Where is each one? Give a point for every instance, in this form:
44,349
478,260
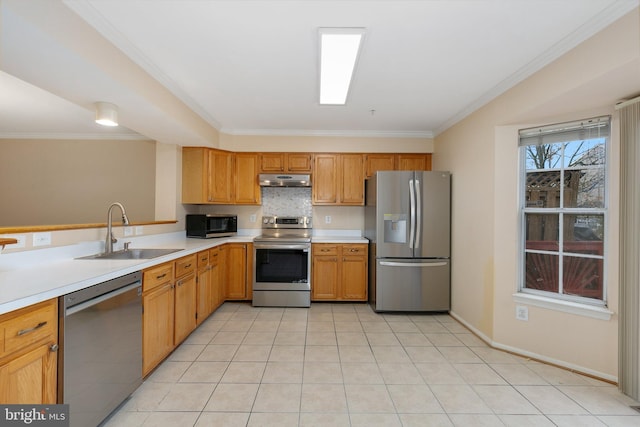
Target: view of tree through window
564,213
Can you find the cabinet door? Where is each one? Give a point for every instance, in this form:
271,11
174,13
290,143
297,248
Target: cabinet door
272,162
236,262
247,188
379,162
324,281
204,296
298,162
157,326
185,308
325,179
30,378
195,175
352,179
410,162
215,280
354,277
220,177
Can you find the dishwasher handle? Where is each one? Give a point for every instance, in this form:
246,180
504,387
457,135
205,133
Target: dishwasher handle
84,305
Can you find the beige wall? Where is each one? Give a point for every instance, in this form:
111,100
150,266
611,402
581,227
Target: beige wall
51,182
325,144
481,151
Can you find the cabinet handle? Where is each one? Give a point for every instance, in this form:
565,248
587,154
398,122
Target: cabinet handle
161,276
187,266
26,331
54,347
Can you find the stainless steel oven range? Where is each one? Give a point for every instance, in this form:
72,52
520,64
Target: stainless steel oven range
282,262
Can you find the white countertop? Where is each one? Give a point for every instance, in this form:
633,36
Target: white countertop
30,277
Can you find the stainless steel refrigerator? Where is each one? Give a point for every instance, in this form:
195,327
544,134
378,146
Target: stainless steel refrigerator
408,222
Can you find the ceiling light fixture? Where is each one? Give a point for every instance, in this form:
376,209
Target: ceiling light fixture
339,50
106,114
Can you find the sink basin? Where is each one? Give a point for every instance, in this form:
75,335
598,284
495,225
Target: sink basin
133,254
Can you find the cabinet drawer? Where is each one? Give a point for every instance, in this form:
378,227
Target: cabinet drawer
156,276
28,326
203,259
185,265
354,250
322,249
214,256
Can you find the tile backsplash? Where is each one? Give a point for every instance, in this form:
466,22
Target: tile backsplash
286,201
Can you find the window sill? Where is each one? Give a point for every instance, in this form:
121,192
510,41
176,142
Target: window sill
601,313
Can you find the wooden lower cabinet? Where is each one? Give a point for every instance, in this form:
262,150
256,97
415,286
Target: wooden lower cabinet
169,308
157,329
339,272
239,262
28,355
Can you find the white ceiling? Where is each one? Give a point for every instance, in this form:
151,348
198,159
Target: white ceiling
251,67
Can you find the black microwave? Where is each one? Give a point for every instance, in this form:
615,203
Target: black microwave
211,225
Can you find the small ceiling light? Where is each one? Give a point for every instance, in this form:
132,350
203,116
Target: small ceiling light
339,49
106,114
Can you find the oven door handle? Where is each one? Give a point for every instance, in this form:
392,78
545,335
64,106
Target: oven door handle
303,247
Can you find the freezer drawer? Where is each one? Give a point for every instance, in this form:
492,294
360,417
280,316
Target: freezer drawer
412,285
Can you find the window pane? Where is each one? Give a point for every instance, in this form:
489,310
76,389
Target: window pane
542,232
582,277
584,153
545,156
584,188
543,189
541,272
583,234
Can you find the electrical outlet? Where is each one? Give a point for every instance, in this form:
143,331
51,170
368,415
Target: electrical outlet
139,230
522,312
41,239
327,219
128,231
252,218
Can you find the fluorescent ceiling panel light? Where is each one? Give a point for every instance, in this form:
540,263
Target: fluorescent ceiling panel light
339,49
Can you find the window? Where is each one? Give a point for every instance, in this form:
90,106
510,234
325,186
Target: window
563,212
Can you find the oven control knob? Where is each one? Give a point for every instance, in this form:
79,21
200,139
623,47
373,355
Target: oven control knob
265,220
271,221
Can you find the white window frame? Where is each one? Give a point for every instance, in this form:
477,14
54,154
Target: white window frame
591,307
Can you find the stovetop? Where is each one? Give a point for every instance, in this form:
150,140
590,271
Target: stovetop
285,229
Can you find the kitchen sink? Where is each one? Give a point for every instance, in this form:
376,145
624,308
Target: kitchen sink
132,254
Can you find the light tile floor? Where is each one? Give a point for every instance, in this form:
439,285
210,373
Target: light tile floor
345,365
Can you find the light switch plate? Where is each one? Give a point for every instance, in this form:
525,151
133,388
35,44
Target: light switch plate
252,218
41,239
327,219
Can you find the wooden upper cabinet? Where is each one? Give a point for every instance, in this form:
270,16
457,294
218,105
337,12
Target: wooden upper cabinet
285,162
352,179
220,176
325,179
338,179
379,162
247,188
195,175
409,162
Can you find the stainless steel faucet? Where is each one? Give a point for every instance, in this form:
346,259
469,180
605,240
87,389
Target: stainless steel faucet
110,240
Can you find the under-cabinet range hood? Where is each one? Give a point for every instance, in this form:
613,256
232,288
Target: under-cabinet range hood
285,180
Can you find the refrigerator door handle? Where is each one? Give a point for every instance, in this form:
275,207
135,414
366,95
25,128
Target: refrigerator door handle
412,264
412,210
418,213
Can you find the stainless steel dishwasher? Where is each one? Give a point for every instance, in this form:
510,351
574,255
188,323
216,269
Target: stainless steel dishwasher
100,362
